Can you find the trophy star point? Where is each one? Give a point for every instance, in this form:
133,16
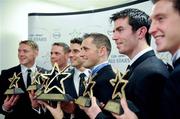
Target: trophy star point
57,76
114,81
119,87
14,80
88,90
37,78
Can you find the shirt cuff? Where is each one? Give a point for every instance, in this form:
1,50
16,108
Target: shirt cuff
7,111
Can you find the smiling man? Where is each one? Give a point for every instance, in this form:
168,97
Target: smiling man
165,28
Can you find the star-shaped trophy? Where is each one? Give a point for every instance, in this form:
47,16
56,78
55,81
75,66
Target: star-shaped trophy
37,80
53,87
119,84
85,100
13,87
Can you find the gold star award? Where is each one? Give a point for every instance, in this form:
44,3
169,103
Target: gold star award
53,86
37,81
13,87
85,100
119,84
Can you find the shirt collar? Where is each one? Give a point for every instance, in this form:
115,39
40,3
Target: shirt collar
87,72
99,65
24,68
140,54
176,56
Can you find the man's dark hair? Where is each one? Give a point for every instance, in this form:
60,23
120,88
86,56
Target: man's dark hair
64,45
176,4
77,40
136,19
100,40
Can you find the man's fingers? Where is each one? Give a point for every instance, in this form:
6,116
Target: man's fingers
14,101
124,105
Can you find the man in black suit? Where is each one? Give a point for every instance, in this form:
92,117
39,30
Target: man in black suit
21,106
95,51
96,48
72,84
165,29
147,74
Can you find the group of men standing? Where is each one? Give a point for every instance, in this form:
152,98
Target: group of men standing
152,87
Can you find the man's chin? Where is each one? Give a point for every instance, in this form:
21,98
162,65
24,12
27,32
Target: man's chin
159,49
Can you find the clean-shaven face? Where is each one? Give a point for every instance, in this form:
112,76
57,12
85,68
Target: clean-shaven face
89,53
26,55
165,26
75,55
58,55
124,37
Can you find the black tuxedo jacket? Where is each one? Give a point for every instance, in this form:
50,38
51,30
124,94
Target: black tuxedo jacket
146,78
70,89
69,85
175,78
23,109
103,89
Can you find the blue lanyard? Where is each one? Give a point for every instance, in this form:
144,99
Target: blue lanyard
98,68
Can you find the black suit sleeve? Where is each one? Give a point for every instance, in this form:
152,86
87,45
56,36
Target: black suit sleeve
101,115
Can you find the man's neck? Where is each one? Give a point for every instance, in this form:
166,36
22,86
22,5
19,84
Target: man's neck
136,51
81,69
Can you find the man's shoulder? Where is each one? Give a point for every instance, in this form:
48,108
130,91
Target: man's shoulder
152,66
12,69
106,72
107,68
42,70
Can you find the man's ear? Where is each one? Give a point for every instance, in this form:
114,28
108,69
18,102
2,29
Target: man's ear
102,50
36,52
142,32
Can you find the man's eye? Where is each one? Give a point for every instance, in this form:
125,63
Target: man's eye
25,51
120,29
160,19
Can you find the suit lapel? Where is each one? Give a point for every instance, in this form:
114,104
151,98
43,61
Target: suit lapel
69,85
139,60
21,81
176,63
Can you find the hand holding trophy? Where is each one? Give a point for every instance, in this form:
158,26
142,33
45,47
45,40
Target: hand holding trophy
53,87
119,84
85,100
13,87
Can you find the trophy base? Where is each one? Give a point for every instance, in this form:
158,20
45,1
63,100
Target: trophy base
14,91
55,97
33,87
83,101
114,106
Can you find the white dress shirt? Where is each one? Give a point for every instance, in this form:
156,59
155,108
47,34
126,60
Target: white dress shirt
25,72
76,78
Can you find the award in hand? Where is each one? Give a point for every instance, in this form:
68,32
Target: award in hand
37,82
119,85
85,100
13,87
53,87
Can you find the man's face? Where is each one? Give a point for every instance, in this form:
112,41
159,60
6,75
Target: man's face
165,26
75,55
90,53
124,37
58,55
27,55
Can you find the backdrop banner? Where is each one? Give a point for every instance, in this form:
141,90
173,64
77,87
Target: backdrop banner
47,28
